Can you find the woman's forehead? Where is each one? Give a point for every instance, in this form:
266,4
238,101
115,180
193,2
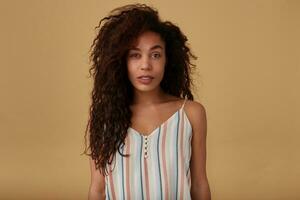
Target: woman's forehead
148,40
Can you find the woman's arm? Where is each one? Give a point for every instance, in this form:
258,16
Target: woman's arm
199,182
97,186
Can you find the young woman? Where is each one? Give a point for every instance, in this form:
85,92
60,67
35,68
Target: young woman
147,136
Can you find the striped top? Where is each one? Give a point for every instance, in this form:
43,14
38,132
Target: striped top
158,166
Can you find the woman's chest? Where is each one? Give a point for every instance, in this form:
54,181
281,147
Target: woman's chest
167,146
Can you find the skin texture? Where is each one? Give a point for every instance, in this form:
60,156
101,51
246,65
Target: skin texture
97,185
200,186
147,57
151,101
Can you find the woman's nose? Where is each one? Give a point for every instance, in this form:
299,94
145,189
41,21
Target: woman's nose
145,63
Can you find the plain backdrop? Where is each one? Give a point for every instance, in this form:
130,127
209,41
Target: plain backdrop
247,78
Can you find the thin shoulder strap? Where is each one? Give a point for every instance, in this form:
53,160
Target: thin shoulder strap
183,104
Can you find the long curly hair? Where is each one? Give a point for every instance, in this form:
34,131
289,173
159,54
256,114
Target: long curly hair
109,113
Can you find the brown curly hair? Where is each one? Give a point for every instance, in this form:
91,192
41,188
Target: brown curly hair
109,113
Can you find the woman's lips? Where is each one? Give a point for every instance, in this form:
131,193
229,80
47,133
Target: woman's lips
145,79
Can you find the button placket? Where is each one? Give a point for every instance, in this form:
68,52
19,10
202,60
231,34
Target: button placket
146,146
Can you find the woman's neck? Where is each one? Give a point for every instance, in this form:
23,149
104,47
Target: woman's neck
149,97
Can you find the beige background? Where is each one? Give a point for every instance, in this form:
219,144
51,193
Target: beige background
248,80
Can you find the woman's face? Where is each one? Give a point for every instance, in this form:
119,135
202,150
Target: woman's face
146,58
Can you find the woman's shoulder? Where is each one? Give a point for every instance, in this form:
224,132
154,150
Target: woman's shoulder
195,112
191,106
194,105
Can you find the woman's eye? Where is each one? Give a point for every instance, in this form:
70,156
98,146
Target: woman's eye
134,55
156,55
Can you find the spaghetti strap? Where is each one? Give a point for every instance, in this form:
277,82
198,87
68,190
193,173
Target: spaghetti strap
183,104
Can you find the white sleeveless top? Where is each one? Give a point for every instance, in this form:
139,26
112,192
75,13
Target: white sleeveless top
158,166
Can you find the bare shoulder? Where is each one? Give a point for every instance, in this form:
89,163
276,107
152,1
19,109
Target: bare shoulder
196,114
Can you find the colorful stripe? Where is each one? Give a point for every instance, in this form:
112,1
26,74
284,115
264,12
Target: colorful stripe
141,159
122,175
181,158
177,159
165,172
127,160
159,167
146,179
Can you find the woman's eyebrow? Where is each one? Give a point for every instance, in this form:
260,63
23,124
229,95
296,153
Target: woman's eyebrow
154,47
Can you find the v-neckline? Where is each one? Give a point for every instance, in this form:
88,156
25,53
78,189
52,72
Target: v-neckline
159,126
